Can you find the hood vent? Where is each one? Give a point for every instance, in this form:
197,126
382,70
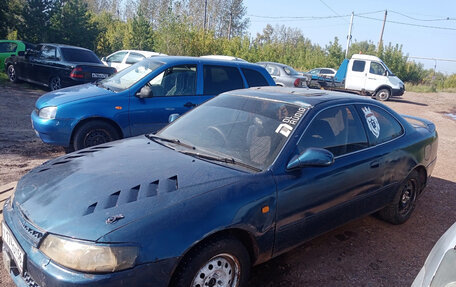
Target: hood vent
135,193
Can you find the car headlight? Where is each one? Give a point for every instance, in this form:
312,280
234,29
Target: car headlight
47,113
88,256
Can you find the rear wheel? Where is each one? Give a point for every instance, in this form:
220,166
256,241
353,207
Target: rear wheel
216,263
94,133
399,211
54,83
383,95
12,74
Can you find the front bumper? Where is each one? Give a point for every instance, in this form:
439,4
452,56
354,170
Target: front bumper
398,92
54,131
40,271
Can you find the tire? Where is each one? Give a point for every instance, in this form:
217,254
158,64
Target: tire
12,74
55,83
399,211
383,95
218,263
93,133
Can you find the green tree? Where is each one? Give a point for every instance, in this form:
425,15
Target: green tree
72,24
335,55
36,16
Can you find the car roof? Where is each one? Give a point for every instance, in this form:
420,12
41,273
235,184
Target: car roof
144,53
187,59
65,46
274,63
300,96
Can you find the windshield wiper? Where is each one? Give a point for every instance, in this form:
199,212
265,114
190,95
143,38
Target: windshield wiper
220,159
174,141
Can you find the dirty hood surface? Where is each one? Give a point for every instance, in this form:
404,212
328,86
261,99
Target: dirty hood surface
77,194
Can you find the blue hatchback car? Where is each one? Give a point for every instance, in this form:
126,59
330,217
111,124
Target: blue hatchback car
242,178
137,100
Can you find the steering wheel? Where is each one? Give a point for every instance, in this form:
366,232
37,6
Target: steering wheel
218,135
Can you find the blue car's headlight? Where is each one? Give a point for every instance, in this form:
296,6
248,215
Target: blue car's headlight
47,113
88,256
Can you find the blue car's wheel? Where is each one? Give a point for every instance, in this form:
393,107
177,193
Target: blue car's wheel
401,208
218,263
93,133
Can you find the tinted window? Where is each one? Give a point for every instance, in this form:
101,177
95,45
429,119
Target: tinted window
79,55
48,52
254,78
338,130
326,71
134,58
219,79
381,126
358,66
8,47
273,70
175,81
376,68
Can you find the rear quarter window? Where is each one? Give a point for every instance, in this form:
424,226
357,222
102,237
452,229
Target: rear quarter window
79,55
254,78
358,66
219,79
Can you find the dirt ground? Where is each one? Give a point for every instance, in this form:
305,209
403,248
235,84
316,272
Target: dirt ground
365,252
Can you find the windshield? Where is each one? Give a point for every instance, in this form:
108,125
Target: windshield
130,76
249,130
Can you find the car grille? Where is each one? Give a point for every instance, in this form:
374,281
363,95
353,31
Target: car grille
29,280
31,230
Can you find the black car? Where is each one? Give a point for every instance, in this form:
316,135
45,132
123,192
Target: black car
56,66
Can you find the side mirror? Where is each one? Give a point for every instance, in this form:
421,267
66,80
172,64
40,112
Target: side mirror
21,53
103,59
173,117
145,92
385,73
312,157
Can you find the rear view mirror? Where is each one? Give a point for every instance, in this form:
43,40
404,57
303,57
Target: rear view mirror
312,157
145,92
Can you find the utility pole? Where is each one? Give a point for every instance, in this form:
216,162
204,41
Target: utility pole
349,37
205,12
229,26
381,34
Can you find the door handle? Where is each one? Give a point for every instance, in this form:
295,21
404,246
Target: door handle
374,164
189,105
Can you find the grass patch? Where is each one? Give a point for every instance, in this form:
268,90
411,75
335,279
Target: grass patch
409,87
3,78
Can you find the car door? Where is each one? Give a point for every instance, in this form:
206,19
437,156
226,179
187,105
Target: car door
375,77
356,75
173,91
44,64
312,200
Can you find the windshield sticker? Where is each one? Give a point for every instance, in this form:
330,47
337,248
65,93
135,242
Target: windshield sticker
286,127
372,122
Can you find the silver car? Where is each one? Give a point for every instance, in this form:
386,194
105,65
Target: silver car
285,76
438,270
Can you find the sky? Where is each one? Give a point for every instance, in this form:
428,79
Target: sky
424,28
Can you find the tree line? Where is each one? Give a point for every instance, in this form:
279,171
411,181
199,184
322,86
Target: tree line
188,27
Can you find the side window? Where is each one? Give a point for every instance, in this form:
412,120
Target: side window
358,66
219,79
254,78
337,129
117,57
48,52
174,81
134,58
327,72
272,70
376,68
8,47
380,125
287,70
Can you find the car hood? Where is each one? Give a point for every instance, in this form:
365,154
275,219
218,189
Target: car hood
92,192
70,94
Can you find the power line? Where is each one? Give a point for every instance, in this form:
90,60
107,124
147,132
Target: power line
311,17
409,24
424,20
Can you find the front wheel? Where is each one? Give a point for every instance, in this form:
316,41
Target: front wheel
12,74
400,210
383,95
94,132
217,263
